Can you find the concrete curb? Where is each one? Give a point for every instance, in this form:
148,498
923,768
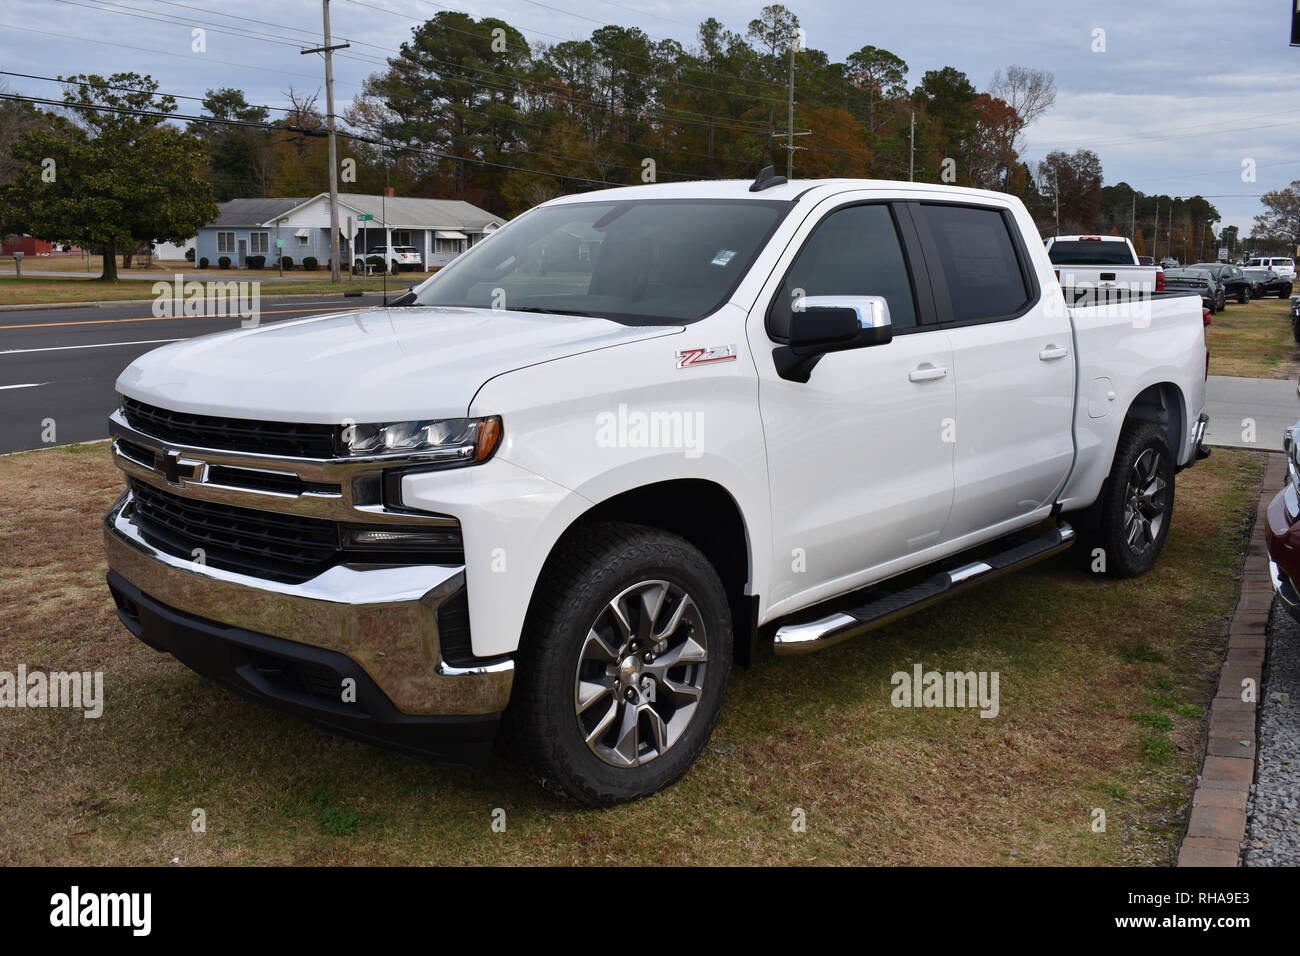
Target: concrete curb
1217,825
110,303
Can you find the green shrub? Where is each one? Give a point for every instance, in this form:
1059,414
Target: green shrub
256,262
223,262
286,263
203,263
309,263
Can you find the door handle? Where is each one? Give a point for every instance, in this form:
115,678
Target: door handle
926,373
1053,352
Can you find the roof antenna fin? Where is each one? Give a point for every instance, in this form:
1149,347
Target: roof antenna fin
766,179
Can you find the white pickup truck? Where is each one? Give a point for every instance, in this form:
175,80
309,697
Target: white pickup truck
627,440
1107,268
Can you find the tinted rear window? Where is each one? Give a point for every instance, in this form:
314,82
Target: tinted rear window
1085,252
978,261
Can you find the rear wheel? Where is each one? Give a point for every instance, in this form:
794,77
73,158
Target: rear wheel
1243,295
1136,503
624,664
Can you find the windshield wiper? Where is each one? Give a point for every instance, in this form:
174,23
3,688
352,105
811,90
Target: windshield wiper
538,309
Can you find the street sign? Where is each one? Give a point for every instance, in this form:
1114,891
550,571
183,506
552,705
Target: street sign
365,217
279,243
1223,253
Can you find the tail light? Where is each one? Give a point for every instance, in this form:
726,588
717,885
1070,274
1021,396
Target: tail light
1205,321
1160,281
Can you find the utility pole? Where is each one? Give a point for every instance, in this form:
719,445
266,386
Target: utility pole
1056,197
328,51
1155,235
789,115
1133,221
911,149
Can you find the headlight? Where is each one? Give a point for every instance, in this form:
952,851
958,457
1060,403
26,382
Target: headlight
447,442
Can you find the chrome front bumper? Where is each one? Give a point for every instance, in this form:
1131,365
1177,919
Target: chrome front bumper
384,619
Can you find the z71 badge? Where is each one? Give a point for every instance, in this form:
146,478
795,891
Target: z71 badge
703,356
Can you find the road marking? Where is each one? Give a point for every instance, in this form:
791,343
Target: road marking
163,318
100,345
28,385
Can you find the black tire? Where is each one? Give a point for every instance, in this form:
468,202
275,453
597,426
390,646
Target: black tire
1243,295
543,727
1223,300
1114,529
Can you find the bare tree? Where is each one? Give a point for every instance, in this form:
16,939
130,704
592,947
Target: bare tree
1030,92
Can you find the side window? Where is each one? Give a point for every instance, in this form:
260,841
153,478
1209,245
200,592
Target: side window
978,261
855,251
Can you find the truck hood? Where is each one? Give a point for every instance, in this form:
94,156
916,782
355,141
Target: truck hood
374,365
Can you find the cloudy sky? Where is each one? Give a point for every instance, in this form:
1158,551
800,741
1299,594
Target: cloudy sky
1184,92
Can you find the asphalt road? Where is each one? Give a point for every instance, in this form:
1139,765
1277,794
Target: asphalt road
1249,412
61,364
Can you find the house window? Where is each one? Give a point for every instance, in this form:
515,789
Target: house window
259,243
402,237
303,240
225,242
446,245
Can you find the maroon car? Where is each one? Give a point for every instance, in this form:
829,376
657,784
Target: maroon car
1282,528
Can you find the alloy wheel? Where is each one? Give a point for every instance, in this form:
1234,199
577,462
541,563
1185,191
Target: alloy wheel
1144,502
640,673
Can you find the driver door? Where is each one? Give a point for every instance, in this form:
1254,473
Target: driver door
860,456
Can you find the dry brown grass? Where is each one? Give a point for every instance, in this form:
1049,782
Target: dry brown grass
1252,340
1077,658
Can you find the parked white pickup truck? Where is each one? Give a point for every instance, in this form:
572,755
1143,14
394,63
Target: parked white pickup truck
623,442
1101,266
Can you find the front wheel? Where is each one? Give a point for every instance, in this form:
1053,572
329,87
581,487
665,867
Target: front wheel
624,664
1243,295
1136,503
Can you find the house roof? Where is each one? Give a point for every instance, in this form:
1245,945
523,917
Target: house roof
410,212
397,212
252,212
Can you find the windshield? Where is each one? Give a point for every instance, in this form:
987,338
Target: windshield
1088,252
637,262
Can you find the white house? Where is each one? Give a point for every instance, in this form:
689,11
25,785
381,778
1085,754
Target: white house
439,228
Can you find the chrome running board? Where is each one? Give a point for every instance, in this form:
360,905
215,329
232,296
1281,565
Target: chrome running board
815,635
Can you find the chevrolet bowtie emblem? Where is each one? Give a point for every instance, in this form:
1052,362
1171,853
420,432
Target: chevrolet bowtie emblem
178,470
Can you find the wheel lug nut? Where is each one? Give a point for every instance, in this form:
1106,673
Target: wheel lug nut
649,658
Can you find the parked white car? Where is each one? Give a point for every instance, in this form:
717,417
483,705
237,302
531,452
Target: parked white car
1282,265
593,460
397,258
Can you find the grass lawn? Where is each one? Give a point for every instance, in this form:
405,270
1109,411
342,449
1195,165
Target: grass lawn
1252,340
1103,693
27,291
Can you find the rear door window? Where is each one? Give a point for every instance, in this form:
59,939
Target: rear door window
976,259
